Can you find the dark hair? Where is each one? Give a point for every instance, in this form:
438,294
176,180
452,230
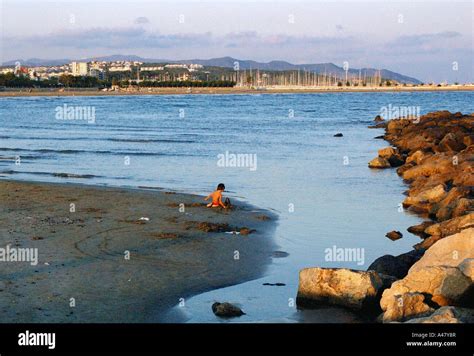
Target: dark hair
221,186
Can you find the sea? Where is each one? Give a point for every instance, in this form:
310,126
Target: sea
274,151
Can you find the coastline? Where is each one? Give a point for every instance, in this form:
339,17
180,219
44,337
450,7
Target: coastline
82,254
434,282
231,91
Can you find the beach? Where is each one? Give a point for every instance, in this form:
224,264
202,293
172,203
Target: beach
117,255
234,90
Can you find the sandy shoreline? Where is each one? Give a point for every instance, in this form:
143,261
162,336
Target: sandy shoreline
82,254
222,91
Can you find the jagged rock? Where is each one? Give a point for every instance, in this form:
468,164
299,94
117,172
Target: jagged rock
419,229
427,243
394,235
396,125
405,306
379,118
417,157
379,163
226,310
387,152
452,226
451,142
428,196
338,286
447,315
447,285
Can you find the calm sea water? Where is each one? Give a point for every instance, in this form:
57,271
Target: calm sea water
319,185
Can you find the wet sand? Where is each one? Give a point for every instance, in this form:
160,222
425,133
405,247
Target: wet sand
235,90
82,254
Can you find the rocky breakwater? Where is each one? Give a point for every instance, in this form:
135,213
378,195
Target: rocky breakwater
433,283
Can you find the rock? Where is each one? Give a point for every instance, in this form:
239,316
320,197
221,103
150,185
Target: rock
450,251
380,137
395,266
468,140
419,229
396,160
445,284
452,226
396,125
416,157
338,286
445,209
392,156
429,196
379,163
387,152
451,142
226,310
394,235
467,268
379,118
426,243
405,306
447,315
380,125
338,135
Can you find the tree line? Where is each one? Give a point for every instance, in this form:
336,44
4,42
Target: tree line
11,80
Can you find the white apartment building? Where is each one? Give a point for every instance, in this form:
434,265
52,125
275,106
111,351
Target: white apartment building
79,68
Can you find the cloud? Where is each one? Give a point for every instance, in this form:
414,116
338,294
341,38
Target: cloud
137,37
426,38
141,20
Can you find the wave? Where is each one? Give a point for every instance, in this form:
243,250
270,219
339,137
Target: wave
53,174
118,153
149,140
97,139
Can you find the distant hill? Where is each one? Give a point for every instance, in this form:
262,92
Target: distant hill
228,62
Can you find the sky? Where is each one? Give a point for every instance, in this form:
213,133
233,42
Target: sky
428,40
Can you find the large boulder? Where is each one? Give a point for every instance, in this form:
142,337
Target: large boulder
339,286
450,251
405,306
447,315
446,285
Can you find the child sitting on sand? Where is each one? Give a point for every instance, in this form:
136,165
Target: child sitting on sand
217,198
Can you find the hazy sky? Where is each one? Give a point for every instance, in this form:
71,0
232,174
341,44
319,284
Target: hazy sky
417,38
